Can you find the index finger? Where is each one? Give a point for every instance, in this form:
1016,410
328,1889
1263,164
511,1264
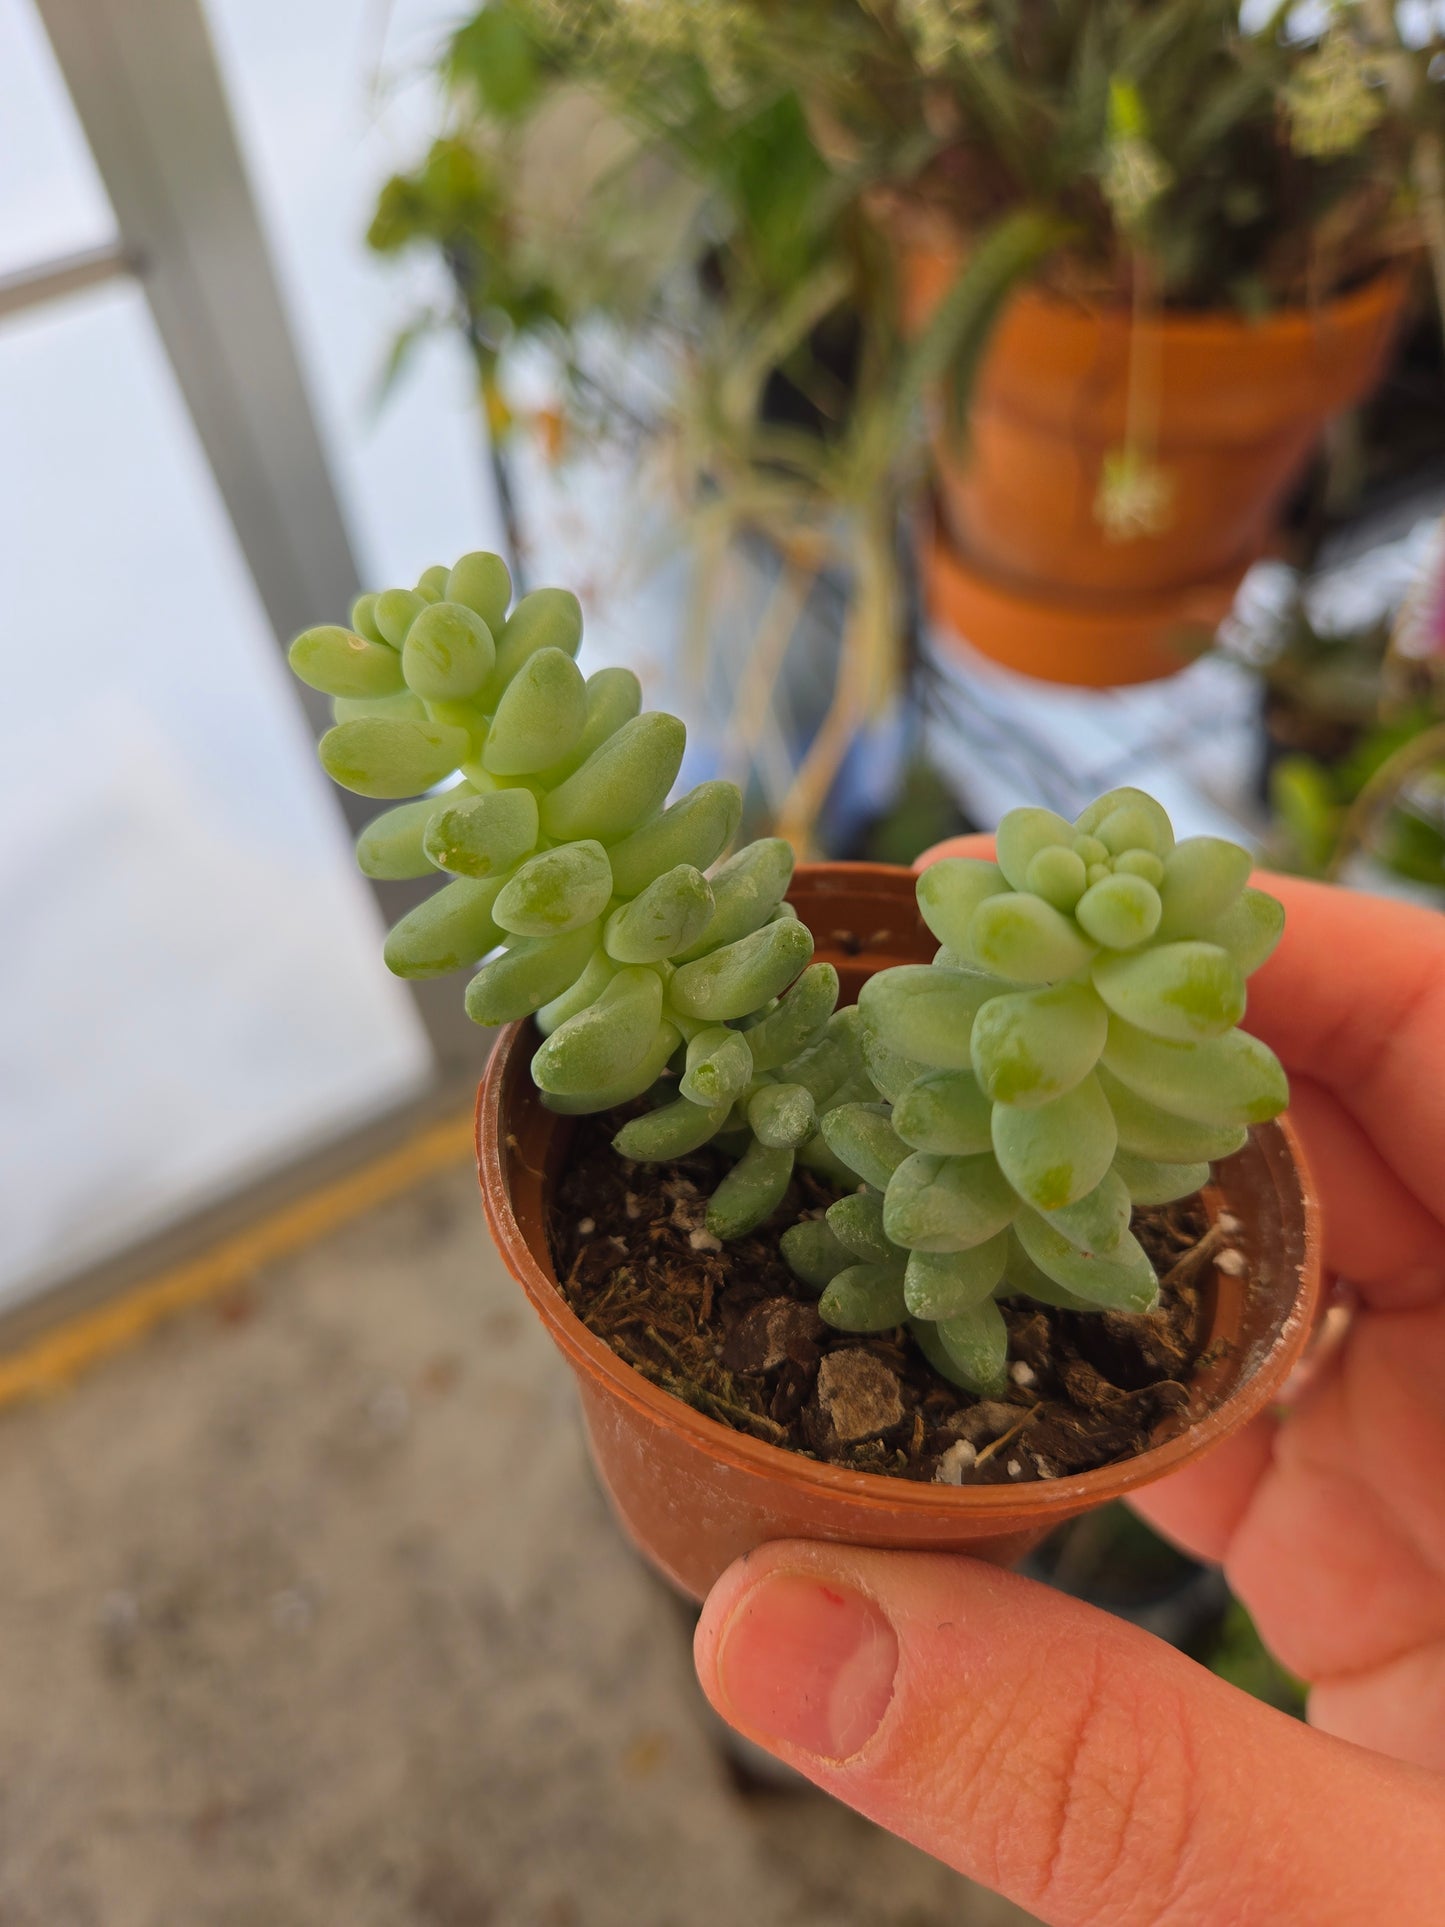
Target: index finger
1354,998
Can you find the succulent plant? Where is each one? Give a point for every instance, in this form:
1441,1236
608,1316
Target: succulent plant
1071,1052
578,890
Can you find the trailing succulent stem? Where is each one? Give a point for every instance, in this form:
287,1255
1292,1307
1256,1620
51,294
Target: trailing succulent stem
584,898
1071,1052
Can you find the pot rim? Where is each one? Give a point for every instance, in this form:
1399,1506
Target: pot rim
585,1350
1386,287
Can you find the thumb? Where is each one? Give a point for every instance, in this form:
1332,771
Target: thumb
1072,1762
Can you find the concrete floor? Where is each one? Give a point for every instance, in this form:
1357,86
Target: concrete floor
312,1616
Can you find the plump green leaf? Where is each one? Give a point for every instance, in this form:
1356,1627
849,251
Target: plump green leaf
1203,877
1122,1281
448,654
670,1132
976,1341
1249,930
1055,1153
1182,991
751,1192
483,583
747,889
481,836
742,976
1151,1183
529,974
1148,1131
1233,1079
719,1066
1100,1218
813,1253
539,717
1022,834
950,890
1026,940
864,1298
450,928
1120,911
601,1044
857,1223
798,1020
663,920
782,1116
1128,819
392,846
865,1143
945,1112
555,891
345,664
696,829
925,1012
545,619
376,756
622,782
1031,1046
945,1284
947,1204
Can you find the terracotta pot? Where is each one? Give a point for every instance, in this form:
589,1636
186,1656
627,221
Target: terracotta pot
694,1495
1239,405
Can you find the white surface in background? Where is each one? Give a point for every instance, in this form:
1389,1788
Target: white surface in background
1003,740
190,978
51,199
184,1003
330,97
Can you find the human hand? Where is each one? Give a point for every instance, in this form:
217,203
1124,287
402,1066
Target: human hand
1071,1761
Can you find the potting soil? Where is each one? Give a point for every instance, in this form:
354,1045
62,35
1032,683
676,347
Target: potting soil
729,1329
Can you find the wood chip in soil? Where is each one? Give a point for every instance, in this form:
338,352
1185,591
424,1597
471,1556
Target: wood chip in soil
730,1330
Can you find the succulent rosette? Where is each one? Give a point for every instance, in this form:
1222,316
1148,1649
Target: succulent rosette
1072,1052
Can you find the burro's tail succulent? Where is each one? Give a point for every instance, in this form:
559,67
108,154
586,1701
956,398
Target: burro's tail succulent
1070,1053
582,895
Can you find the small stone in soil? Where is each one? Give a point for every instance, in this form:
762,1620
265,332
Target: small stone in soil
1232,1262
780,1331
859,1396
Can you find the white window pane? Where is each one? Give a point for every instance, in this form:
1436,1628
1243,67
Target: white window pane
320,134
190,980
51,199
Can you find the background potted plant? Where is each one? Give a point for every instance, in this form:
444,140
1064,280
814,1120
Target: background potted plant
1354,741
1068,1063
1191,229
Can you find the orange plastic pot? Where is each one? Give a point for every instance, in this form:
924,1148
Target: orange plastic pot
1237,406
694,1495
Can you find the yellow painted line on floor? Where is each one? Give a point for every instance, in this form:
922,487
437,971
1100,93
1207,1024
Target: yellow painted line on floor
59,1356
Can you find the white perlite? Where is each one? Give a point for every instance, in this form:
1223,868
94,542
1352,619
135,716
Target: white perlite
953,1463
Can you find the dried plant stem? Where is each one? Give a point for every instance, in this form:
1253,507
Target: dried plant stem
867,674
1005,1437
747,726
1186,1269
1382,791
